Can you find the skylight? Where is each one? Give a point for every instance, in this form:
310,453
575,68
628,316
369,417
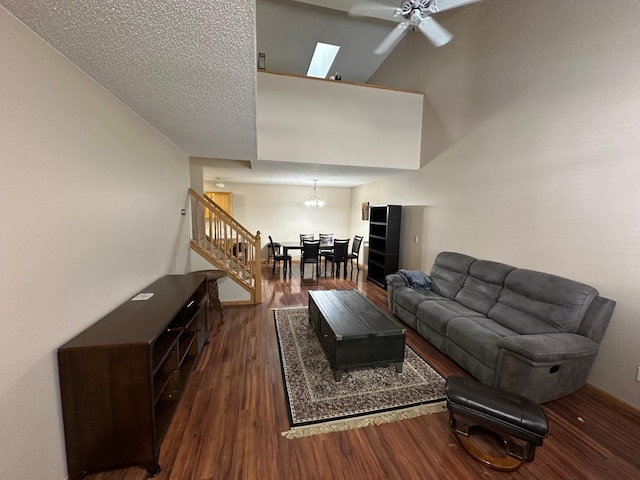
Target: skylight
323,57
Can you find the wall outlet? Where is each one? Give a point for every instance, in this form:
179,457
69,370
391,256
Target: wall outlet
416,239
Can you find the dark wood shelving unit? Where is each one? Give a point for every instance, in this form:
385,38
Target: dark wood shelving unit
122,378
384,242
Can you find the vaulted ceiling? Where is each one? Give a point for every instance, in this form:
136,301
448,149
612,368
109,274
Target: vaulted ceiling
188,67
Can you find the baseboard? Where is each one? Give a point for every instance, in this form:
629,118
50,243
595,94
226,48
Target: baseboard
618,402
236,303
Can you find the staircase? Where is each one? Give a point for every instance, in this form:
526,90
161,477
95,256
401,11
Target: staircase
226,244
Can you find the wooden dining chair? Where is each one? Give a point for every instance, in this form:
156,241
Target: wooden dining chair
310,255
277,257
338,255
326,245
306,236
273,248
355,251
326,240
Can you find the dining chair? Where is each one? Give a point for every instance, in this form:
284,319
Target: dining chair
310,254
306,236
355,251
326,245
272,249
277,257
303,237
239,250
326,240
336,256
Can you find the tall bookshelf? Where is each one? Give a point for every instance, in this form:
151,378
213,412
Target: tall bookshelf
384,242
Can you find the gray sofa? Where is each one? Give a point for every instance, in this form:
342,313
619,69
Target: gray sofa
527,332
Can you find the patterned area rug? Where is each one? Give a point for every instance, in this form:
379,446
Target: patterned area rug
365,396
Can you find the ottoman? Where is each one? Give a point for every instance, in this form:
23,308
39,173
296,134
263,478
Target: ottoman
518,421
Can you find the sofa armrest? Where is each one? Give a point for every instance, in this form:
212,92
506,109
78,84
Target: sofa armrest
394,281
597,318
550,347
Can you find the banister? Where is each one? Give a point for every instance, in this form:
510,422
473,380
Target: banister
227,244
221,213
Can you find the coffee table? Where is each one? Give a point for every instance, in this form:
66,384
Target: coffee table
354,332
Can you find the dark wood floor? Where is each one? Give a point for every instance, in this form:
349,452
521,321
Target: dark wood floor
229,421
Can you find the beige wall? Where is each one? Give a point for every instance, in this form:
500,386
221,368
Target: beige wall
531,149
279,210
90,198
331,122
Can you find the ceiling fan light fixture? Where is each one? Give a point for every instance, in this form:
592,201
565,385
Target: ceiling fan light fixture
314,200
412,14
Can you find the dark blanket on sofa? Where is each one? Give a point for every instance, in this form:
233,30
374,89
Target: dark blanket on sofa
416,279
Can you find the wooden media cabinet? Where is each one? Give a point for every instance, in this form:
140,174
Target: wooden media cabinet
121,378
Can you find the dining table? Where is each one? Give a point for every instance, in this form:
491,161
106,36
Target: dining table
286,246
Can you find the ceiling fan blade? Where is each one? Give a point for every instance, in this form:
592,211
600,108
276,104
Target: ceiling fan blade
443,5
392,39
435,32
383,12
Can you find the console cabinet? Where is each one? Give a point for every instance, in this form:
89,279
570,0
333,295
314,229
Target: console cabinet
384,242
121,378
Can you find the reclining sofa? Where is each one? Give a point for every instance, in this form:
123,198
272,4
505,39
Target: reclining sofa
527,332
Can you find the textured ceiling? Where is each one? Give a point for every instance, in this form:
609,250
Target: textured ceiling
188,67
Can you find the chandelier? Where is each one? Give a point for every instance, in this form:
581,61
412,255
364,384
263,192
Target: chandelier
314,200
219,184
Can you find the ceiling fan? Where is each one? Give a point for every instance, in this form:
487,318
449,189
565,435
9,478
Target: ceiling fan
411,14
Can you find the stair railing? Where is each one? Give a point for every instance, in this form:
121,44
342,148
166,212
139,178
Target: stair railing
226,244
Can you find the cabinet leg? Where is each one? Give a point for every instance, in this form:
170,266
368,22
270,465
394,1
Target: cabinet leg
154,470
77,475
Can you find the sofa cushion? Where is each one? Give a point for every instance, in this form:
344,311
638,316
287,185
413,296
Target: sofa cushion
479,337
436,315
409,298
482,287
449,272
552,347
535,302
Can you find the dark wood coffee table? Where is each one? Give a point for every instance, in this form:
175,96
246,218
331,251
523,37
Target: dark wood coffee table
354,332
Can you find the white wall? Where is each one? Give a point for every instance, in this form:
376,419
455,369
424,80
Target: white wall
532,151
332,122
228,289
91,199
279,210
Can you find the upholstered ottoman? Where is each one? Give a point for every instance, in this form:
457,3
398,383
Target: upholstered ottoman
518,421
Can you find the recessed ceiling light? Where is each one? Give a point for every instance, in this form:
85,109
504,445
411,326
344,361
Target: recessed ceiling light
323,57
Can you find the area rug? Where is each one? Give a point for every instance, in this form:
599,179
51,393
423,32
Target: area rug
365,396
